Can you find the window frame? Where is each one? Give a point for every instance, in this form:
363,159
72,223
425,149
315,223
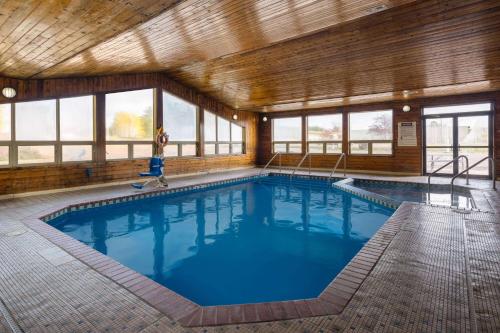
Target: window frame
14,144
288,142
369,142
218,142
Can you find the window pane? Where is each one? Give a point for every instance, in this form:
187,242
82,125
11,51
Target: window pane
4,155
439,132
171,151
334,148
475,155
379,148
359,148
179,118
287,129
324,128
188,150
222,129
236,133
224,148
115,152
209,126
437,157
76,153
473,131
36,121
129,116
295,148
35,154
280,147
77,118
236,148
316,148
5,124
210,149
374,125
458,108
141,151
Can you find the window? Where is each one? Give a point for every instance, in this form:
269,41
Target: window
5,135
222,136
76,126
370,133
129,121
180,121
5,122
77,118
36,121
324,134
287,135
47,131
464,108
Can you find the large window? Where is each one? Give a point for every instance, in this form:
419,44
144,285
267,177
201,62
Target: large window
222,136
180,121
324,134
287,135
129,122
76,119
47,131
370,133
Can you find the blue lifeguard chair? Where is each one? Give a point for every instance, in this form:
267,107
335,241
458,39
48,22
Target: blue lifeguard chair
155,172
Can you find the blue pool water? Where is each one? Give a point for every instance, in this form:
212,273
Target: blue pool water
256,241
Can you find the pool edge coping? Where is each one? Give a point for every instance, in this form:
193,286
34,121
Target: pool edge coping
332,300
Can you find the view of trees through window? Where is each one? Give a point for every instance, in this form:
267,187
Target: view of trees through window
324,134
370,133
129,116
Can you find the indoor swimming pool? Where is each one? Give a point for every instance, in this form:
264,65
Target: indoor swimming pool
259,240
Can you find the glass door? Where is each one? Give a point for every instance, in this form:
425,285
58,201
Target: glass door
451,131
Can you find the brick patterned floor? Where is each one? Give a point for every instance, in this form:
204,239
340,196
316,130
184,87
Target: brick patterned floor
441,273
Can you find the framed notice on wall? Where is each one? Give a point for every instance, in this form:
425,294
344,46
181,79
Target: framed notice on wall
407,133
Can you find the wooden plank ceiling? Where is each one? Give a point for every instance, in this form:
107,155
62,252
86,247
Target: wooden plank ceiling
264,55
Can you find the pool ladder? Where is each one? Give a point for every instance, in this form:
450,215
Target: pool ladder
268,163
491,165
444,166
300,163
341,157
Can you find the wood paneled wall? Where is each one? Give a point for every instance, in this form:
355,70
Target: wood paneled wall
45,177
405,160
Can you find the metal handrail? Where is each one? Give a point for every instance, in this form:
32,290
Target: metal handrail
300,163
493,172
272,158
442,167
342,156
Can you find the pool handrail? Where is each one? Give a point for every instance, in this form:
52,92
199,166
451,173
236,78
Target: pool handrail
445,165
268,163
493,172
300,163
342,156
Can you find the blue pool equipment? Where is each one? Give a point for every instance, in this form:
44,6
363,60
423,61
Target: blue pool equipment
155,171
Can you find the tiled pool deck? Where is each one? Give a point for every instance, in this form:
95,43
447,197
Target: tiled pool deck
438,269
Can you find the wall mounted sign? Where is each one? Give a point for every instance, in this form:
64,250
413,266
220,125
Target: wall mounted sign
407,133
